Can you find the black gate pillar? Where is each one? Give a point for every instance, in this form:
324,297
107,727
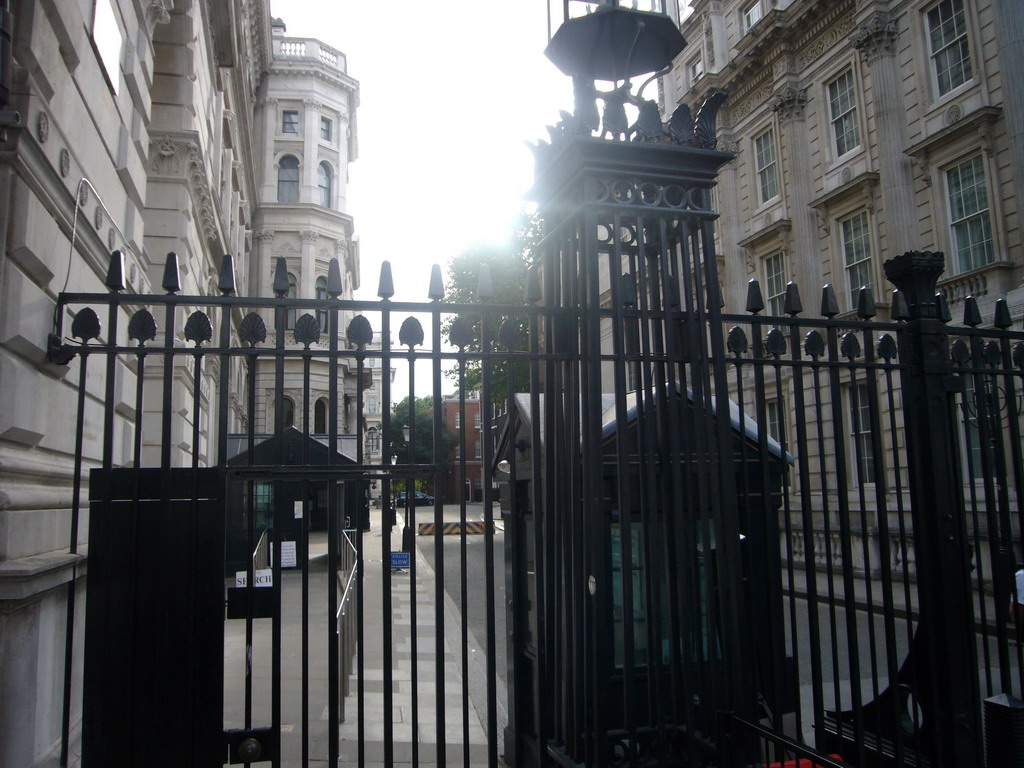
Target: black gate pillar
154,638
942,550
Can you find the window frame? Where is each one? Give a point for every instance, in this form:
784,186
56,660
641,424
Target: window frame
867,261
963,40
747,11
695,69
321,295
326,127
852,113
101,34
294,184
771,166
320,416
372,440
326,193
986,213
861,451
775,296
286,123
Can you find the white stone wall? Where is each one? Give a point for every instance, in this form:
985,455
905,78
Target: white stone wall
153,138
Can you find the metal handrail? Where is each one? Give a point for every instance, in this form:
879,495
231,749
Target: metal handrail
260,557
351,575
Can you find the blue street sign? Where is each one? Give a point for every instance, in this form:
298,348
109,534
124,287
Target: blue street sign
400,560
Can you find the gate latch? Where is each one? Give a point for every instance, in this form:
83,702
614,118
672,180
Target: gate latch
251,745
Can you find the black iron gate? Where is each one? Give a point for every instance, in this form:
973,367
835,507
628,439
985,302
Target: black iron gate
729,539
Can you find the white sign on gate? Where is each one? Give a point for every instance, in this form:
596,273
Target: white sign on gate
264,577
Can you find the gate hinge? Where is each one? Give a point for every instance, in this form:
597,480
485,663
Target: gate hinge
56,352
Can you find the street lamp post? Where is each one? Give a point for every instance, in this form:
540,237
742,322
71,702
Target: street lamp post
409,494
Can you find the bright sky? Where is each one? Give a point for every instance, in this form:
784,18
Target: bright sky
450,92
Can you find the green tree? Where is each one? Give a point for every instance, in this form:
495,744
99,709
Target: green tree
509,264
420,448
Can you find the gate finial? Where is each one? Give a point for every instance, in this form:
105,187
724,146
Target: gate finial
334,287
829,303
533,294
792,305
115,272
386,284
226,281
484,285
436,290
281,284
755,302
171,282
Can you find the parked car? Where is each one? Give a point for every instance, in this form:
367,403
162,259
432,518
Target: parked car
420,499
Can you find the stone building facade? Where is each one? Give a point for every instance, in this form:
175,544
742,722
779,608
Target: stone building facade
149,127
863,130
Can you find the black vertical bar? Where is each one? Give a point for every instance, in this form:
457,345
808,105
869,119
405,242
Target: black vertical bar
463,561
275,665
439,676
304,554
76,492
166,406
486,414
359,531
333,706
250,529
408,536
541,704
845,534
624,447
385,539
807,524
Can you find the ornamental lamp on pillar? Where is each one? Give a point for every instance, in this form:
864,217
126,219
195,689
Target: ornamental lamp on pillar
615,43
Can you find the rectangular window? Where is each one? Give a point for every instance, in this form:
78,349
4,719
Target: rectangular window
106,34
767,173
325,128
477,449
458,450
968,215
776,419
842,105
775,283
290,121
476,420
458,419
856,254
860,428
751,15
696,69
947,38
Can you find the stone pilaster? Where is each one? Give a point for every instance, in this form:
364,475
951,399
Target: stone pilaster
1009,31
876,42
307,280
804,262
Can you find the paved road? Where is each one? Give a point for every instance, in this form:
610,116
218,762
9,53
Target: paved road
476,570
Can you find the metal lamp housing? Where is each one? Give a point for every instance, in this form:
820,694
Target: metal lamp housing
614,43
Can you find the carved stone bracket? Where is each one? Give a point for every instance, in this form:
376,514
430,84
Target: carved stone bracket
157,13
789,103
180,157
309,235
265,236
877,38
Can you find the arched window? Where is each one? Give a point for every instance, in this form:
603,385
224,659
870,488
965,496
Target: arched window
288,179
372,440
320,417
324,178
321,293
287,412
293,293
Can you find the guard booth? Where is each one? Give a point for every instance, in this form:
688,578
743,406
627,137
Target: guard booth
656,561
273,497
